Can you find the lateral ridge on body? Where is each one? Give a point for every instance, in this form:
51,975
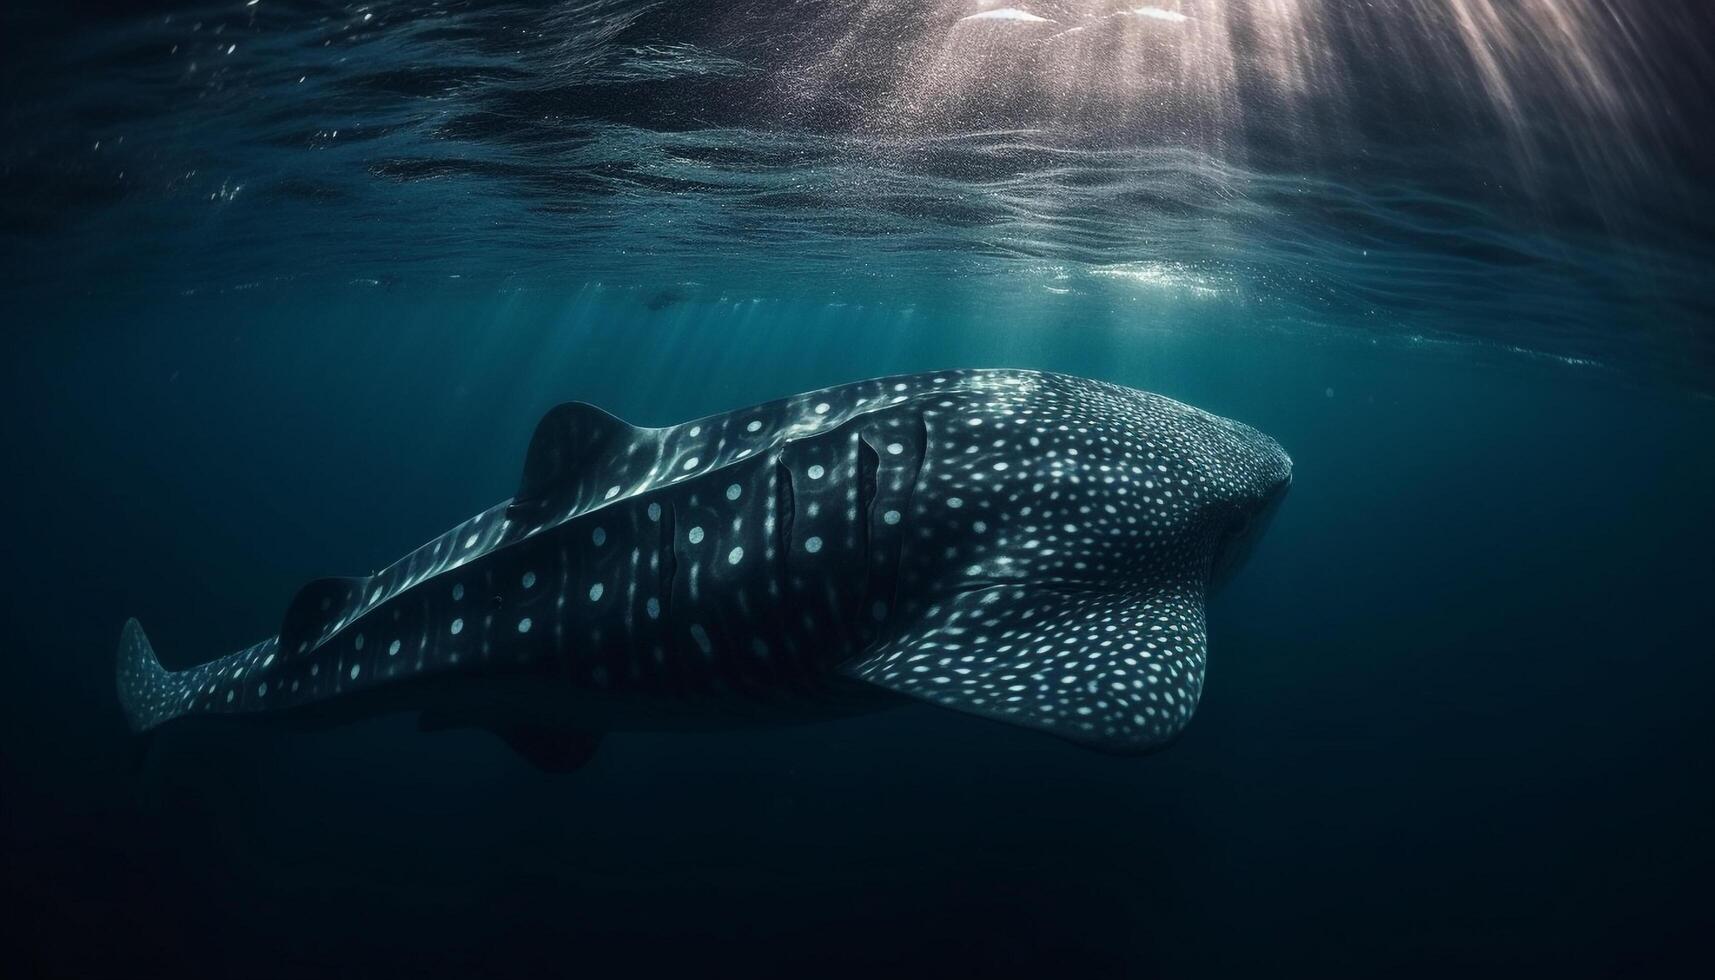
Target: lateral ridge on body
1032,548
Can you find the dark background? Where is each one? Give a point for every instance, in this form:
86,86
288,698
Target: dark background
1456,717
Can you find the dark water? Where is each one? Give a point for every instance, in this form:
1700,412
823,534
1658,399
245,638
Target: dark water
1452,255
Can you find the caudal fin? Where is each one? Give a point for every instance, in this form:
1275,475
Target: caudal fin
147,691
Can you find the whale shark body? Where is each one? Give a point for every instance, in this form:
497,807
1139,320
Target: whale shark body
1032,548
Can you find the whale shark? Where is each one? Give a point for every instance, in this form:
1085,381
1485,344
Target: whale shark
1026,547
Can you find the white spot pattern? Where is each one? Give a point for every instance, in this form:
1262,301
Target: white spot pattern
1067,597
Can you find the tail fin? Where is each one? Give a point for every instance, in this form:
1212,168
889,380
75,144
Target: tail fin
147,691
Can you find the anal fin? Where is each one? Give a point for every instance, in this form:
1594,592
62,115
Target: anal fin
550,748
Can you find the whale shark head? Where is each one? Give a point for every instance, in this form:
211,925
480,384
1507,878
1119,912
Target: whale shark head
1067,535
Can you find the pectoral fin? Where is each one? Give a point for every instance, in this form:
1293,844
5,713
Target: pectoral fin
1115,671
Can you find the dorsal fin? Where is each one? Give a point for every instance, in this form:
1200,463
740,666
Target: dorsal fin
565,453
319,609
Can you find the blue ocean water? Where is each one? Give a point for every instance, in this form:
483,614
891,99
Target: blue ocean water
286,286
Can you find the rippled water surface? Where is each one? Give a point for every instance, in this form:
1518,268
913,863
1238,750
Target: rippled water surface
1523,176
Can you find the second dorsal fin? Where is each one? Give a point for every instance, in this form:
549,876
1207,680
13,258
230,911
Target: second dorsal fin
317,611
566,453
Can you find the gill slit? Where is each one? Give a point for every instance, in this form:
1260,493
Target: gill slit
922,463
669,565
868,462
785,513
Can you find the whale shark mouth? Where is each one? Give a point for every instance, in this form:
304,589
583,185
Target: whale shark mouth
1239,539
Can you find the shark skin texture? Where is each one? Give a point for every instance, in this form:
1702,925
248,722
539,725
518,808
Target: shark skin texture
1027,547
